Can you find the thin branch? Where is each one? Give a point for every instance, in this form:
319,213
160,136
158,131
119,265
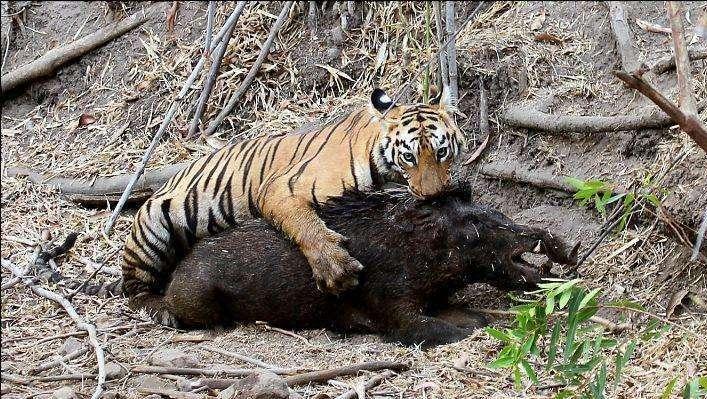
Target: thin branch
325,375
233,372
163,127
665,65
213,73
442,53
689,123
682,62
622,33
209,28
451,52
60,361
80,323
55,58
373,382
252,72
248,359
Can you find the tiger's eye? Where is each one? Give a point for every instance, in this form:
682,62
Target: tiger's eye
409,157
441,153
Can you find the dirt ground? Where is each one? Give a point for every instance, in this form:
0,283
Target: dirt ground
128,85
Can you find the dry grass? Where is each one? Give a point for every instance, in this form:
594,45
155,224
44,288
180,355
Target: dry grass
129,110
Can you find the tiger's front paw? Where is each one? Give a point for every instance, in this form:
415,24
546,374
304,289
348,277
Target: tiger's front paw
335,271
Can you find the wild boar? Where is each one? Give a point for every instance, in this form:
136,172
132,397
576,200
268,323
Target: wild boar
415,254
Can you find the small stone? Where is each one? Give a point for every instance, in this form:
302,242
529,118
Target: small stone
332,53
46,235
71,345
64,393
265,385
151,382
111,395
337,35
173,358
114,371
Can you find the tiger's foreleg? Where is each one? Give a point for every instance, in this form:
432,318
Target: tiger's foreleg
334,269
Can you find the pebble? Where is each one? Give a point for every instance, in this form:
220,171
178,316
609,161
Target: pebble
114,371
64,393
71,345
173,358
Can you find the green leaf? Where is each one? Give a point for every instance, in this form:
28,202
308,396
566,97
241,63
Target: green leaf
529,371
552,350
550,306
567,285
565,298
627,304
669,389
621,361
593,293
690,390
703,382
497,334
653,200
564,394
503,362
577,184
572,323
599,204
517,379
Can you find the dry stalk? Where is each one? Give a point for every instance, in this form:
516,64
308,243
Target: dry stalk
252,72
213,72
165,122
80,323
451,52
371,383
442,56
622,33
682,62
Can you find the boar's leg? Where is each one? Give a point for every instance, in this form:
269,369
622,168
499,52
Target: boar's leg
407,326
193,300
462,318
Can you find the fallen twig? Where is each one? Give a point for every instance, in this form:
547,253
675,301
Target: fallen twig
373,382
60,361
234,372
483,125
312,377
102,189
690,124
667,64
515,172
213,71
451,52
442,56
163,127
527,116
171,393
252,72
622,33
325,375
53,59
282,331
256,362
682,63
80,323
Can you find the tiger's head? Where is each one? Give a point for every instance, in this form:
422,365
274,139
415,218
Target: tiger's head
419,141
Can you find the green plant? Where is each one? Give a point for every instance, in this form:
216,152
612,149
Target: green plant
600,194
555,332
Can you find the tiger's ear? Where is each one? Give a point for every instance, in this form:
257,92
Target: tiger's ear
443,98
381,102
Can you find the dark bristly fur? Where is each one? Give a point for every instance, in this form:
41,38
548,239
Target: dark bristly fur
416,253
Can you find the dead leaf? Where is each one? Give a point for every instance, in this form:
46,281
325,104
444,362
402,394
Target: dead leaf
700,32
548,38
461,362
172,16
143,85
86,119
477,153
538,21
675,300
651,27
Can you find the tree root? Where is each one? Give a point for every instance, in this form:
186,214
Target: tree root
102,189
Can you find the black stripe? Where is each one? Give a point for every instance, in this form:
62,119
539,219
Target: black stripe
302,137
213,169
351,166
315,201
254,211
152,247
272,158
346,134
201,169
296,176
190,214
213,226
246,171
222,173
229,217
159,275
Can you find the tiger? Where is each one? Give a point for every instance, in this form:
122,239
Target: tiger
282,177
